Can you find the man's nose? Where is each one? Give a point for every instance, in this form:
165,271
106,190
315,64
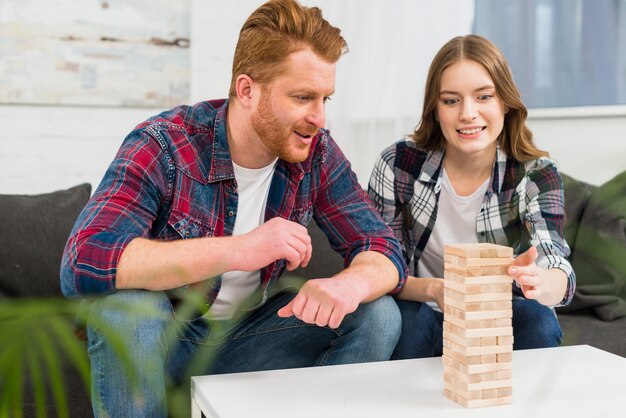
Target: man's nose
317,114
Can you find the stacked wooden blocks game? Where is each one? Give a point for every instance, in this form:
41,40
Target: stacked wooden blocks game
477,333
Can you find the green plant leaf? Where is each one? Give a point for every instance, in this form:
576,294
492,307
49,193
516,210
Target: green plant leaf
38,385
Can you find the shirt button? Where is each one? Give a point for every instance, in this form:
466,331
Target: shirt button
231,213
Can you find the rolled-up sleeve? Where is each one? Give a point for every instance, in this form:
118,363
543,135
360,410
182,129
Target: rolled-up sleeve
347,217
545,218
123,208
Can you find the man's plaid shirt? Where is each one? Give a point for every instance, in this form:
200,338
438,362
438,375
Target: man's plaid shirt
523,205
173,179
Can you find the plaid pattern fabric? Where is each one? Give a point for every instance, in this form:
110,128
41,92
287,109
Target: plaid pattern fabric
523,205
173,179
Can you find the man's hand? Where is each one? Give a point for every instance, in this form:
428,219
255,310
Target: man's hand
323,302
276,239
546,286
326,302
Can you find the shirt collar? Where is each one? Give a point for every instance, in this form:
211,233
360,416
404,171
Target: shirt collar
431,170
220,162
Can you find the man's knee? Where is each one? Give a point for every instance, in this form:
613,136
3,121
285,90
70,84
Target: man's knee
381,318
138,313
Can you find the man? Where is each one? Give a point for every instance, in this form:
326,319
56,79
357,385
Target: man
217,197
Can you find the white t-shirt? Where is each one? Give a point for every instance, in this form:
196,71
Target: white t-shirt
252,187
455,224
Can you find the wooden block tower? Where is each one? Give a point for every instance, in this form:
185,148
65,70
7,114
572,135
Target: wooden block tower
477,328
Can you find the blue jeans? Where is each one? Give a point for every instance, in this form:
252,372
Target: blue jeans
162,350
534,326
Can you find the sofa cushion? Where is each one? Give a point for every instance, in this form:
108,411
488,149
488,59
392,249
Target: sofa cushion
35,229
325,262
577,195
599,257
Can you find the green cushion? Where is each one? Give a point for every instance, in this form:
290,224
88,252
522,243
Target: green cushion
577,195
599,258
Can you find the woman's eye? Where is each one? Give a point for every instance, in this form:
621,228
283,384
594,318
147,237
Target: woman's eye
485,97
449,101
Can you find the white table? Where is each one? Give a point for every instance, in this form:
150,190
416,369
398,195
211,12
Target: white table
576,381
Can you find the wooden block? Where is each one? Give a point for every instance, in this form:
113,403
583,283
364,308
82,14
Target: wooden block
489,359
478,332
505,357
488,353
461,379
465,342
492,384
488,341
503,287
470,316
480,297
484,323
482,350
460,279
470,289
505,339
482,403
484,367
478,262
503,322
460,304
476,403
484,249
463,250
488,332
462,391
453,312
489,288
504,375
490,393
497,305
452,259
495,250
505,392
495,270
453,382
477,271
469,360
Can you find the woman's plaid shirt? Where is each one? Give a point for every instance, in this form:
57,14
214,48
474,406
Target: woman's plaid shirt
523,205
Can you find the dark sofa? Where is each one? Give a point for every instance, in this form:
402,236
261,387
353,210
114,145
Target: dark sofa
33,231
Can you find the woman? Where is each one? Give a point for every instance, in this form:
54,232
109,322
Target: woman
471,173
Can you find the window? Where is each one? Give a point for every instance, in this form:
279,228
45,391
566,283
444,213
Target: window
562,52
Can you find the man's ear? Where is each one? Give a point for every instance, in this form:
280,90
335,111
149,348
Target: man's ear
244,87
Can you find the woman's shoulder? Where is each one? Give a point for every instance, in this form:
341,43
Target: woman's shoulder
404,155
542,173
543,166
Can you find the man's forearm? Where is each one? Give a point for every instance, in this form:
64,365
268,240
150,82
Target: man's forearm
158,265
374,275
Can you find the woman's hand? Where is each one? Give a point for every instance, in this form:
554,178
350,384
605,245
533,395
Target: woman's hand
546,286
423,289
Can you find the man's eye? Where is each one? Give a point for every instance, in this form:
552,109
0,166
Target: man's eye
303,98
326,99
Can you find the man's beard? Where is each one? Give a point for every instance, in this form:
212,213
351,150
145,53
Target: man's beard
275,136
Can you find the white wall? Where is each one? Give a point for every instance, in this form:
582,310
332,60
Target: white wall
45,148
587,143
